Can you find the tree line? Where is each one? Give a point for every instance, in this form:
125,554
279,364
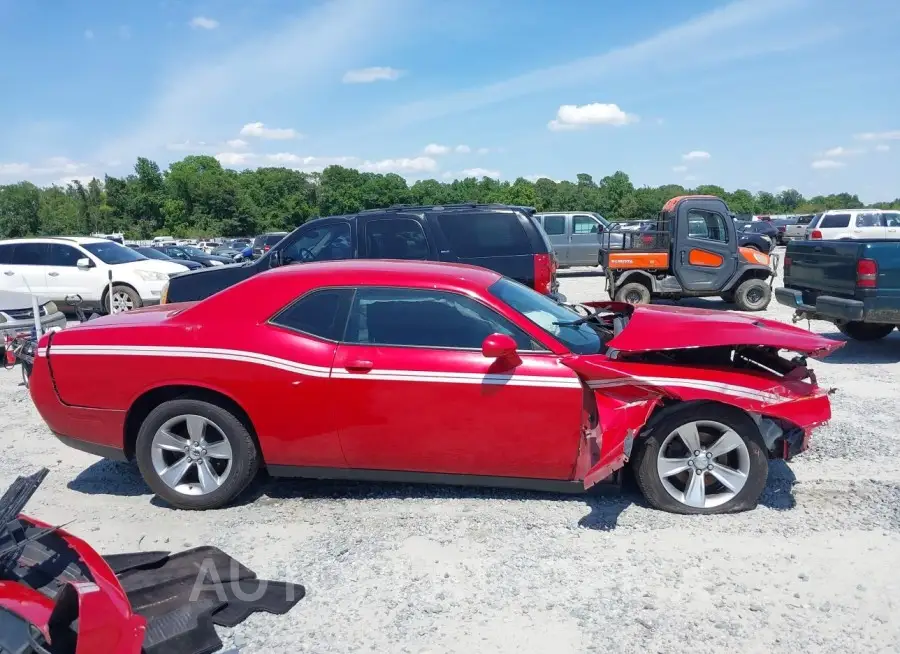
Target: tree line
197,197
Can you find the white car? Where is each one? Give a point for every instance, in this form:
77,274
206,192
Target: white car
56,267
847,224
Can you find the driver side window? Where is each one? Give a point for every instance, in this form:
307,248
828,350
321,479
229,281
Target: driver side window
707,225
326,243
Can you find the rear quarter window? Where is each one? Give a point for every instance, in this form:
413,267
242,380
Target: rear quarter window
834,220
6,252
488,234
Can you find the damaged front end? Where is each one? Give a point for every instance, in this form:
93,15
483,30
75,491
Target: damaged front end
659,358
59,596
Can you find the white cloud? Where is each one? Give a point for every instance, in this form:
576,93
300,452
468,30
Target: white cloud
570,116
269,133
690,178
483,150
369,75
679,169
203,23
779,189
88,34
826,164
237,144
534,178
480,172
235,158
203,95
53,166
841,151
747,25
696,155
463,149
413,165
187,146
436,150
882,147
893,135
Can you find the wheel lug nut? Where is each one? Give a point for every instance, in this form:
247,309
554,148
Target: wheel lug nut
709,467
204,451
696,452
690,462
709,455
699,471
196,443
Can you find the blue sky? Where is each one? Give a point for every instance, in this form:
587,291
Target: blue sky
760,94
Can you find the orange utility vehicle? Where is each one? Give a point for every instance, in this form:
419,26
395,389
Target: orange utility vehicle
691,250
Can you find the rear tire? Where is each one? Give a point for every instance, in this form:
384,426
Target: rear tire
231,461
745,465
753,295
633,293
865,331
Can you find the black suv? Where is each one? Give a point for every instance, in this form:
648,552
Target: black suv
504,238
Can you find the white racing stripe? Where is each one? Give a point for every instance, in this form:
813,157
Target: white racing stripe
696,384
319,371
489,379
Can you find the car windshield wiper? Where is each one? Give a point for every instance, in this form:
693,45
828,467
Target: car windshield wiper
579,321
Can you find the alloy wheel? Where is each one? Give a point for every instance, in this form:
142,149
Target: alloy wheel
703,464
191,455
121,302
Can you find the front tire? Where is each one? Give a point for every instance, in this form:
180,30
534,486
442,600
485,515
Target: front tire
865,331
195,455
753,295
702,459
121,299
633,293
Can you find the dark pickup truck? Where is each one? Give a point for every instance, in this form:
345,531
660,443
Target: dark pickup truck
853,284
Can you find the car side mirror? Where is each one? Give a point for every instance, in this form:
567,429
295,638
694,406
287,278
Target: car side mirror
83,263
498,346
275,258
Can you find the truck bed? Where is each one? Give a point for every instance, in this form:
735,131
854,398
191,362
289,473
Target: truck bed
820,280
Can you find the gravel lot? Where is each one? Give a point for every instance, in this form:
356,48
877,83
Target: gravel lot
423,569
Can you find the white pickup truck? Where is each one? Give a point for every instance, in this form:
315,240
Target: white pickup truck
797,230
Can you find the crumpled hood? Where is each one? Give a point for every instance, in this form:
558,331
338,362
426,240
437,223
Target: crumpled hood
656,327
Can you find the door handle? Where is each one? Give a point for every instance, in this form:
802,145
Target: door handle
53,274
682,256
359,365
8,273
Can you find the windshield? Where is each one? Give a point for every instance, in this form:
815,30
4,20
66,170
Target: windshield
544,312
113,253
603,221
194,252
150,253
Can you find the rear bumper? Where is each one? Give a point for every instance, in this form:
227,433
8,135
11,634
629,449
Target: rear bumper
96,431
827,307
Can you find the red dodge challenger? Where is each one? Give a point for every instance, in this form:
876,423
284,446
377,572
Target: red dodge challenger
431,372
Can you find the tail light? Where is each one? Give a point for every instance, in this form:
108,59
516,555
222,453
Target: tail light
781,228
266,248
646,239
816,234
544,267
866,273
787,265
